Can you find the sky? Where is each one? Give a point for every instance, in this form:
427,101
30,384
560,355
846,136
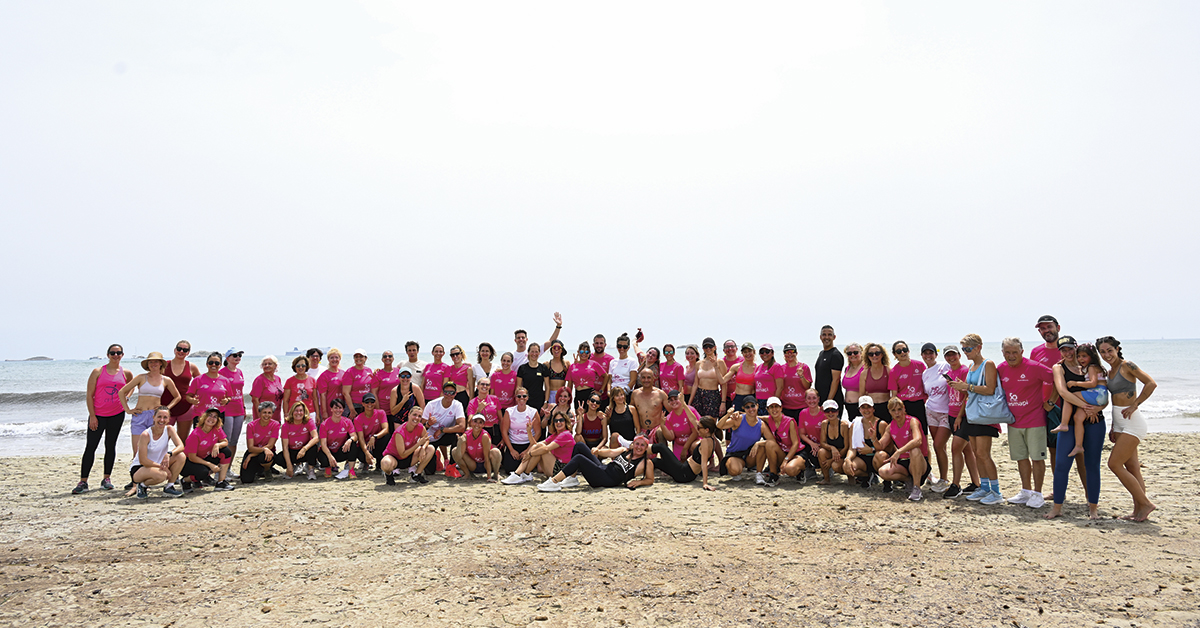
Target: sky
279,174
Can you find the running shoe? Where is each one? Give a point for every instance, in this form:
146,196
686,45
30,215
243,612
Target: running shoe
979,494
865,482
1036,500
353,474
421,479
772,479
759,479
80,488
915,495
513,478
223,485
991,498
549,486
188,487
971,488
570,482
312,474
142,491
342,475
208,481
940,486
390,479
106,484
953,492
172,491
1021,497
887,486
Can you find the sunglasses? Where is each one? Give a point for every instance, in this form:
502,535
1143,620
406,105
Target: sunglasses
622,346
181,350
448,392
584,351
966,349
485,385
455,354
522,396
875,353
828,410
852,353
594,400
406,375
214,364
116,353
899,351
669,352
388,356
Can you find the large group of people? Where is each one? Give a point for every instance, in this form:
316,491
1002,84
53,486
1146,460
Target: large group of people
871,414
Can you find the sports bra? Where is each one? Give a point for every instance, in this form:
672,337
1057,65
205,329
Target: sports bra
838,443
622,423
744,378
875,385
559,375
1118,385
149,390
850,382
696,451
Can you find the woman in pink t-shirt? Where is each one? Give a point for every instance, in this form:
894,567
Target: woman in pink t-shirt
486,404
475,451
910,461
235,410
433,374
460,373
670,372
905,383
207,450
329,384
584,375
797,378
408,449
268,386
301,387
384,381
504,382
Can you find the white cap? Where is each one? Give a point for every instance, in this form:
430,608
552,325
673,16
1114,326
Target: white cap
866,401
774,401
829,404
362,352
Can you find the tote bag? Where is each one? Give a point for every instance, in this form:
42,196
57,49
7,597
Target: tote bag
987,409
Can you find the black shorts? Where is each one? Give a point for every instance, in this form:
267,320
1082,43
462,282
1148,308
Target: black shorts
925,476
133,470
447,440
558,466
741,454
969,429
404,463
810,459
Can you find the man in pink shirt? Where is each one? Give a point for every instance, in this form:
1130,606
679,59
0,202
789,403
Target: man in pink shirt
1022,380
1048,355
599,344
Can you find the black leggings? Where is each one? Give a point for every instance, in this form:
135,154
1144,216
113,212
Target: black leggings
917,408
595,472
110,428
508,462
355,453
310,457
257,464
201,471
680,471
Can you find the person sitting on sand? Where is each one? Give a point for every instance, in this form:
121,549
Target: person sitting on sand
696,463
339,443
409,449
518,425
159,456
371,429
627,464
550,455
475,452
910,460
207,450
860,456
747,431
834,444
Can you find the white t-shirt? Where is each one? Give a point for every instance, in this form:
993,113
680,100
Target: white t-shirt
620,369
417,367
519,358
518,424
936,388
477,369
442,417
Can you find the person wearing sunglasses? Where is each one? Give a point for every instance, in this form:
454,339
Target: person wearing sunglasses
905,383
445,420
961,454
301,387
459,372
518,425
621,369
981,379
356,382
383,382
106,415
409,449
851,375
731,359
834,445
261,436
556,371
486,404
626,466
549,456
181,371
591,423
404,397
209,390
746,430
678,430
475,452
768,376
937,410
874,379
584,375
339,443
504,382
373,431
521,338
234,411
707,396
671,373
797,378
742,376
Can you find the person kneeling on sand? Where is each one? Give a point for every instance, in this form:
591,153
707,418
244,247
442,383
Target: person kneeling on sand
409,449
159,456
747,429
910,460
475,452
207,450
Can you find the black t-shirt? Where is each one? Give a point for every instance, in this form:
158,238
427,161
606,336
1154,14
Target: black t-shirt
533,380
828,360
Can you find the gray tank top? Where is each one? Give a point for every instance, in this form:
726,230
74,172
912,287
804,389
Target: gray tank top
1118,385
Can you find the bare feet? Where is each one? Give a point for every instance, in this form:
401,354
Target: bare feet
1055,512
1062,427
1143,513
822,482
1075,452
1093,512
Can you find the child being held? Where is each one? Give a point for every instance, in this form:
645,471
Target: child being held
1093,391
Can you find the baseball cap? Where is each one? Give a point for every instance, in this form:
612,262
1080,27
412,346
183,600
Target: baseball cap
233,351
1046,318
362,352
708,342
748,345
830,404
929,346
774,401
866,401
950,349
791,346
673,394
1066,341
766,346
369,398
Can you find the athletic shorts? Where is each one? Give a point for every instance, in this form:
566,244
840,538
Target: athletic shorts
141,422
904,463
1027,443
447,440
133,470
1053,420
1134,426
732,454
938,419
970,429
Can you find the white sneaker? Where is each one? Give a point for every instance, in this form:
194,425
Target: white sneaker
570,482
344,473
312,475
737,478
1021,497
759,479
992,498
514,478
1036,500
940,486
549,486
527,477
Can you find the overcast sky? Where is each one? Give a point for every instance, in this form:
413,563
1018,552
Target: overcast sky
277,174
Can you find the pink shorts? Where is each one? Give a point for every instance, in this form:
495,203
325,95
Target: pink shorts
937,419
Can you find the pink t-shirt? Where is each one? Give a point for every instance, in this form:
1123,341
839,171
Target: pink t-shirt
671,376
566,445
681,426
297,434
603,359
237,381
201,443
810,424
474,445
458,375
383,382
957,398
793,388
303,391
783,431
264,389
906,381
764,379
433,375
403,435
1023,388
902,432
586,374
261,434
210,390
504,386
489,407
729,365
370,425
329,385
1047,357
335,431
359,381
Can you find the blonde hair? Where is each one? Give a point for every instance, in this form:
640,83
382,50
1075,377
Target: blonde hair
292,412
883,358
895,402
334,351
973,340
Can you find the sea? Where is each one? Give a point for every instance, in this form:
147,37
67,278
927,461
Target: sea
43,409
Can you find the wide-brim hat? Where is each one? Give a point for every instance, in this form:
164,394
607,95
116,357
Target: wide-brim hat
154,355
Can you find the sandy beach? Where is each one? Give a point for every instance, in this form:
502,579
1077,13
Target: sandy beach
475,554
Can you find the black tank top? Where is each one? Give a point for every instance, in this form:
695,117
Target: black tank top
696,452
838,443
622,423
624,469
1070,376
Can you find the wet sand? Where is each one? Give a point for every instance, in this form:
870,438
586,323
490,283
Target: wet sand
473,554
